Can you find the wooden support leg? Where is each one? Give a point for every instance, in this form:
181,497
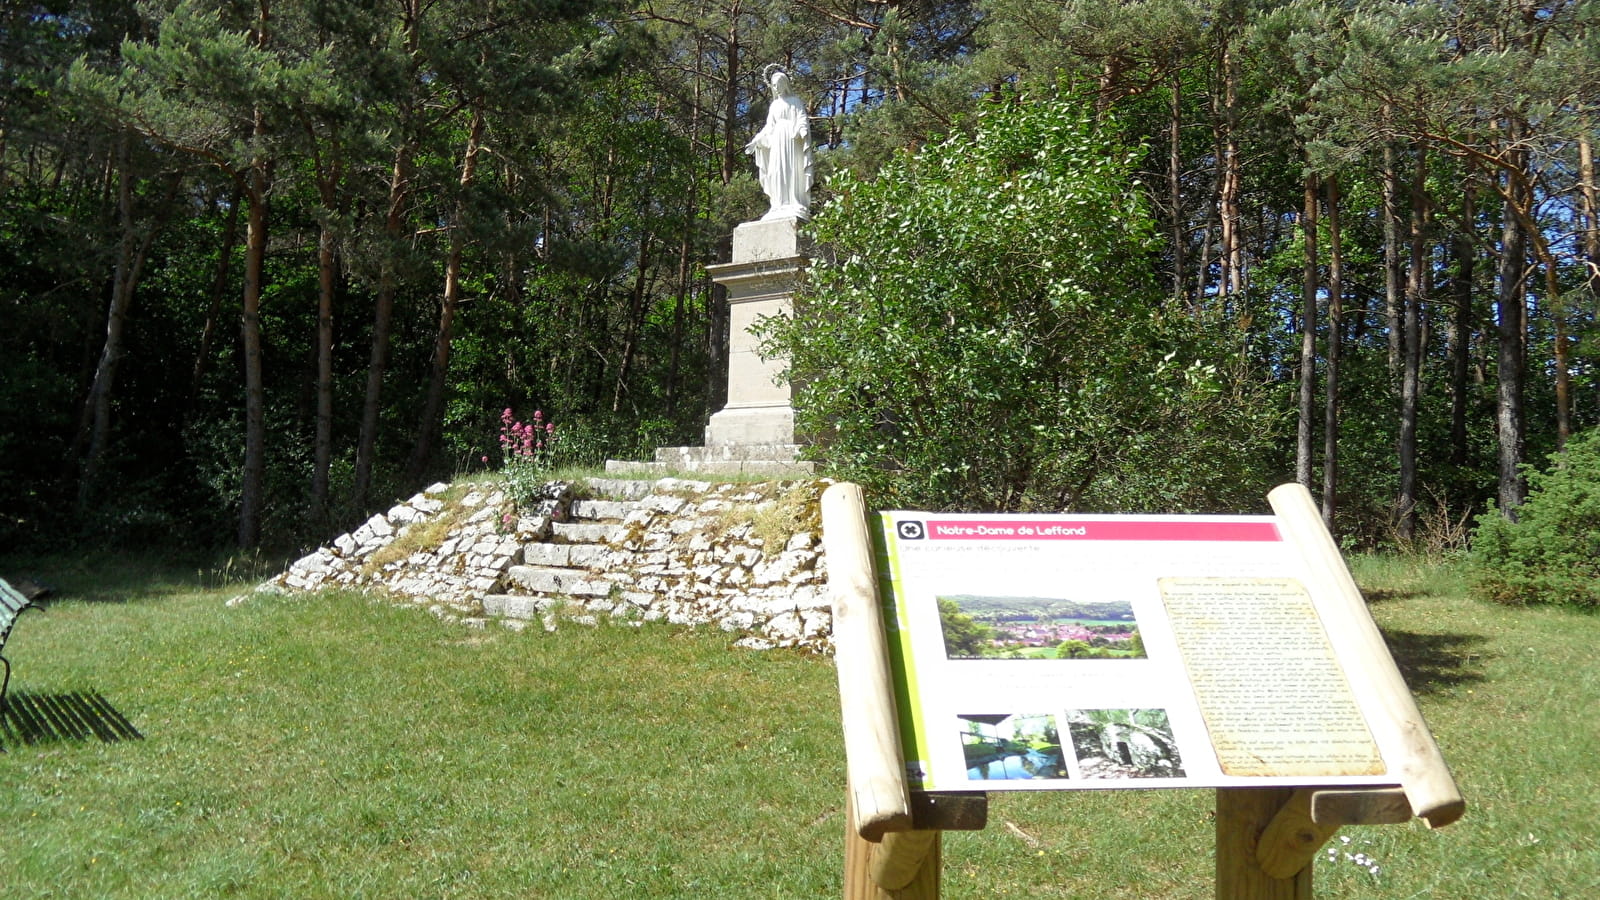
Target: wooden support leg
1242,815
1293,837
905,866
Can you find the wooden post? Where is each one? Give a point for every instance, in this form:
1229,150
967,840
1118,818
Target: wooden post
1243,815
1291,840
884,858
880,800
905,865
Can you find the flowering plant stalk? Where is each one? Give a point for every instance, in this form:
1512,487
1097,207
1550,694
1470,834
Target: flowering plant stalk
528,453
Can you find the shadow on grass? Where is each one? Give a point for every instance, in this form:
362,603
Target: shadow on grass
77,716
125,577
1430,662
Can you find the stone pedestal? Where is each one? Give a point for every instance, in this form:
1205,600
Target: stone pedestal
754,432
767,262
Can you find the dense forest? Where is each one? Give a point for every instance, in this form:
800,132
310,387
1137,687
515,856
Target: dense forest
266,266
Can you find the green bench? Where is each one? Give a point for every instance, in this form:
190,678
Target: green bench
12,603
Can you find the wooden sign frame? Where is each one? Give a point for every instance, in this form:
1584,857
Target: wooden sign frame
1266,837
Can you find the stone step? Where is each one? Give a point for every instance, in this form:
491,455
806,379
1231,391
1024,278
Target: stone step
582,533
619,488
553,580
573,556
602,509
587,556
728,453
640,470
518,606
777,461
629,605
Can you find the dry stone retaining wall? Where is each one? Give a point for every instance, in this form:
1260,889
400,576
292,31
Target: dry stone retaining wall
746,558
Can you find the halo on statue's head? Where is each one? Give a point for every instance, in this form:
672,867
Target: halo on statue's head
777,77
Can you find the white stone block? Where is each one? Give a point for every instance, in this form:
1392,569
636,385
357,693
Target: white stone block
664,503
533,528
681,485
769,239
402,515
739,621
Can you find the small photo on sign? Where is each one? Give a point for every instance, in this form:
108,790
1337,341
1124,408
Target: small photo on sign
1011,746
989,627
1124,743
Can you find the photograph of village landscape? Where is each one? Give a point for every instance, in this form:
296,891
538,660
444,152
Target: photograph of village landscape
1010,746
985,627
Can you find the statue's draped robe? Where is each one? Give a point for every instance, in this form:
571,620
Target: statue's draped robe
784,158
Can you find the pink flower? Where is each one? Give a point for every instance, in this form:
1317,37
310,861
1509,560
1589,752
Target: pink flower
538,414
486,458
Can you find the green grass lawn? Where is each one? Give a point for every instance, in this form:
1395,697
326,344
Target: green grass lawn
335,747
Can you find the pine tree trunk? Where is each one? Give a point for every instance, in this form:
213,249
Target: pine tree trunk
252,481
219,287
95,425
322,450
1561,350
433,406
1175,190
1391,260
730,99
1330,406
1591,224
1305,430
383,306
255,429
630,340
1411,353
1231,251
1510,357
1461,327
382,320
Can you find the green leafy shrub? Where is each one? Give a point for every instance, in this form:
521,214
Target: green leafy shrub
1551,553
980,330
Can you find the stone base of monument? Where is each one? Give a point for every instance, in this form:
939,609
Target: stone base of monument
756,424
754,433
775,461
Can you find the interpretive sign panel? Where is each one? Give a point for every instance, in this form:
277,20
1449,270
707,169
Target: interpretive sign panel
1082,652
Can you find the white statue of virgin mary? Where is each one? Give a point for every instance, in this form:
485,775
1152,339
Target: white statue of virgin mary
783,151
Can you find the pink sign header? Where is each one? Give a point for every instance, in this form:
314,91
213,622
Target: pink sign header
1097,530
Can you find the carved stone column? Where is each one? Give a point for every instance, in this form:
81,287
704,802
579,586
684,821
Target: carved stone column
767,264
